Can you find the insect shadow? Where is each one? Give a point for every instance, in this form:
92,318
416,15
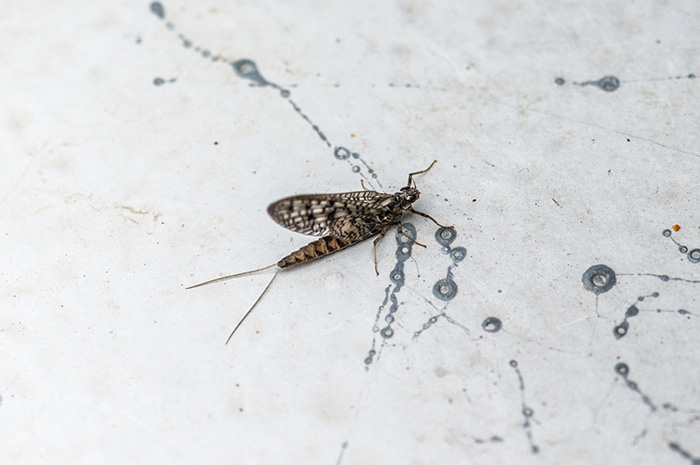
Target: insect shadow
342,219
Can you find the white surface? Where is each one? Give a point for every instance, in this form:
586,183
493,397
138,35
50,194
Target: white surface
115,197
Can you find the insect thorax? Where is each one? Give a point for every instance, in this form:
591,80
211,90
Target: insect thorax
402,200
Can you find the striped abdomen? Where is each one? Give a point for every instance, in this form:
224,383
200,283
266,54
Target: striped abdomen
316,249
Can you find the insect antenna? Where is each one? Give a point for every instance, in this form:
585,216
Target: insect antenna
410,175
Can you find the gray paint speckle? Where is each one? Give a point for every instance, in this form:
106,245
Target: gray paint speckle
445,236
445,289
526,411
693,255
606,83
623,370
491,324
246,68
158,10
599,279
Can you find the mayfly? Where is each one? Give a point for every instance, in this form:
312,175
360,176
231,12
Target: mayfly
342,220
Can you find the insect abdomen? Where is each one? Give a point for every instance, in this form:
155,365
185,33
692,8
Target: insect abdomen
316,249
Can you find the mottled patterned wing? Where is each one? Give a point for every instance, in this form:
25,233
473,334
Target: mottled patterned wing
347,215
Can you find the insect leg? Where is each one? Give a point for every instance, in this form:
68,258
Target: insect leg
406,235
425,215
256,303
376,241
410,175
362,183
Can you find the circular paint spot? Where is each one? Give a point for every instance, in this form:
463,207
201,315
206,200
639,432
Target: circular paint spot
491,324
397,276
387,333
621,330
559,81
609,83
403,252
683,249
632,311
622,369
389,319
284,93
158,10
445,289
667,233
694,256
355,169
513,363
528,412
458,254
355,155
445,236
341,153
599,279
408,230
247,69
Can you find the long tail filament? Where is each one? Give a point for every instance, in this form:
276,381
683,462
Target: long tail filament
238,275
256,303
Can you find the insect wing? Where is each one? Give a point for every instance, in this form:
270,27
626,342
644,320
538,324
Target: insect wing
323,214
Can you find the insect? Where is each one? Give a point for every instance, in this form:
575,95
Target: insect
342,220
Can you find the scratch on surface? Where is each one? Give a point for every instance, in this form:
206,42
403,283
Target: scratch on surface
573,322
615,131
150,429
